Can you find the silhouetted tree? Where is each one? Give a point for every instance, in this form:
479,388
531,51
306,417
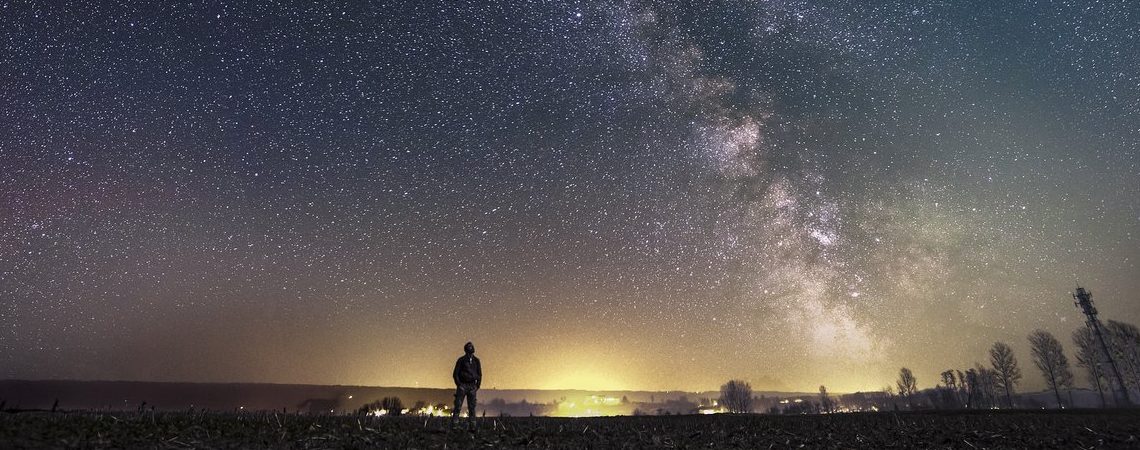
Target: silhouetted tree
907,384
1089,355
800,407
951,382
1049,356
949,398
988,384
948,379
1124,342
963,393
825,403
946,395
972,386
981,384
736,396
1005,367
367,408
394,406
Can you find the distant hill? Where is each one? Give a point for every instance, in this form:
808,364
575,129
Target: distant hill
130,395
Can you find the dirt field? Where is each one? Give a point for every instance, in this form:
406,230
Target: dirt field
1070,430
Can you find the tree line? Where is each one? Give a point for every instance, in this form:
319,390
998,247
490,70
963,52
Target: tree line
994,385
984,387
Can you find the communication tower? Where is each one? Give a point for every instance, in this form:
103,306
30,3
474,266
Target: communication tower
1083,299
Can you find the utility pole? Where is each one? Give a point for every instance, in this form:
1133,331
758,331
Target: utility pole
1084,301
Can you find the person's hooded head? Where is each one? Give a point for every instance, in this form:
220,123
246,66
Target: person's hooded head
469,348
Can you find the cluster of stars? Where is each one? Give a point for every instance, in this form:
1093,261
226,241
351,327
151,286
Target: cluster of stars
792,192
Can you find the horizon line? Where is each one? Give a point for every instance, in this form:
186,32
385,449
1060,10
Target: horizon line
399,387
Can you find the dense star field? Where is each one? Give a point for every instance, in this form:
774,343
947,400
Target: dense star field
600,195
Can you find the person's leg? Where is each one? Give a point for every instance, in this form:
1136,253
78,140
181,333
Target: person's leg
471,406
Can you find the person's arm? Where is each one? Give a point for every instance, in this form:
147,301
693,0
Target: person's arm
478,374
455,373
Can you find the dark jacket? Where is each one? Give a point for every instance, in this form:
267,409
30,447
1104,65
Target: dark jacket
467,371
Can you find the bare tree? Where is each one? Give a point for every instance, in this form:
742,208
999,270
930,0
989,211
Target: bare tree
907,384
1049,356
990,382
970,385
825,403
948,379
736,396
1089,355
963,389
1005,367
393,405
1124,342
948,392
982,386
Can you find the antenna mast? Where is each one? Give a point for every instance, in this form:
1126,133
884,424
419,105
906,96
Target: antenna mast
1083,299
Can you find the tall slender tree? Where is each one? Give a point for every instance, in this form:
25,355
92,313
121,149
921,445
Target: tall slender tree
1124,341
971,383
1089,355
825,403
1049,356
948,391
907,384
1006,370
948,379
963,389
987,386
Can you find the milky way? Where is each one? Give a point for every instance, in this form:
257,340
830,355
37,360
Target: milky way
632,195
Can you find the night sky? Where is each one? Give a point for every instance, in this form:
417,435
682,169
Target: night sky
610,195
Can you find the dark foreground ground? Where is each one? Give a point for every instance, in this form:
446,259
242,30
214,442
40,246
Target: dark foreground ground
1069,430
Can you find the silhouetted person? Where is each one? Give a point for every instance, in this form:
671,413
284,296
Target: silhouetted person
468,376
